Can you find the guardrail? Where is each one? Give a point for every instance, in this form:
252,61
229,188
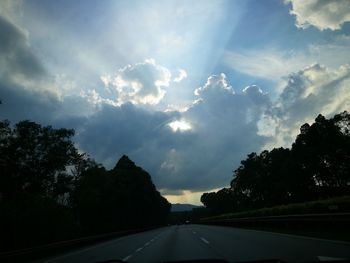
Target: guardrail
33,253
343,217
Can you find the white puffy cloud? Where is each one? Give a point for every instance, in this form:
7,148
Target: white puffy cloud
142,83
323,14
215,83
307,93
182,75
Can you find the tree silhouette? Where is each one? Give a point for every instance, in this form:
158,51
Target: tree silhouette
34,159
323,154
317,166
219,202
49,191
119,198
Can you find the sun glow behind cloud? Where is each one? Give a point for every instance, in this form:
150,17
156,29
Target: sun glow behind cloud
180,125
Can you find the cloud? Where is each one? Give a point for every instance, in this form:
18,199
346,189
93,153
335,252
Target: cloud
182,75
10,9
214,84
142,83
223,131
26,91
126,129
254,62
226,124
308,92
217,131
17,63
330,14
180,125
332,53
106,128
195,145
186,196
18,104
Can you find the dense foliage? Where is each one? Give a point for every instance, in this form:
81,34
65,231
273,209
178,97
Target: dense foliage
49,191
317,166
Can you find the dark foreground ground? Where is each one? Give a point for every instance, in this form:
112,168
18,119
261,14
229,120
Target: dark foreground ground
186,242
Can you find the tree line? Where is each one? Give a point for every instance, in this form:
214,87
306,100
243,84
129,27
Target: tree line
317,166
49,191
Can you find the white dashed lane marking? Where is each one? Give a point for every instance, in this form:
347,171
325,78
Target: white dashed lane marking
126,258
139,249
204,240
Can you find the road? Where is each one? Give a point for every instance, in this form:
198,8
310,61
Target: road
188,242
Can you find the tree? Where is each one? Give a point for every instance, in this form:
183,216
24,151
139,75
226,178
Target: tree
322,152
35,184
317,166
34,158
219,202
119,198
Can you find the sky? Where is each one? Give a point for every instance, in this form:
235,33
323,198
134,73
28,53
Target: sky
187,89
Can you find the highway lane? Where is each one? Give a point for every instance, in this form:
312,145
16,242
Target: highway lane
187,242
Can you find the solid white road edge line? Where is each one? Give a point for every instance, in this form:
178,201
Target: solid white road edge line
323,258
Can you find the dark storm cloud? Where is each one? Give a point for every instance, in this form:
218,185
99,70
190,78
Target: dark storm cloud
23,89
128,129
19,104
16,59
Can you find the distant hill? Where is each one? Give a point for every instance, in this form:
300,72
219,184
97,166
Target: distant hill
182,207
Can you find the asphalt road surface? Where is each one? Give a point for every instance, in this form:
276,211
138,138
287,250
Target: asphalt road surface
189,242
